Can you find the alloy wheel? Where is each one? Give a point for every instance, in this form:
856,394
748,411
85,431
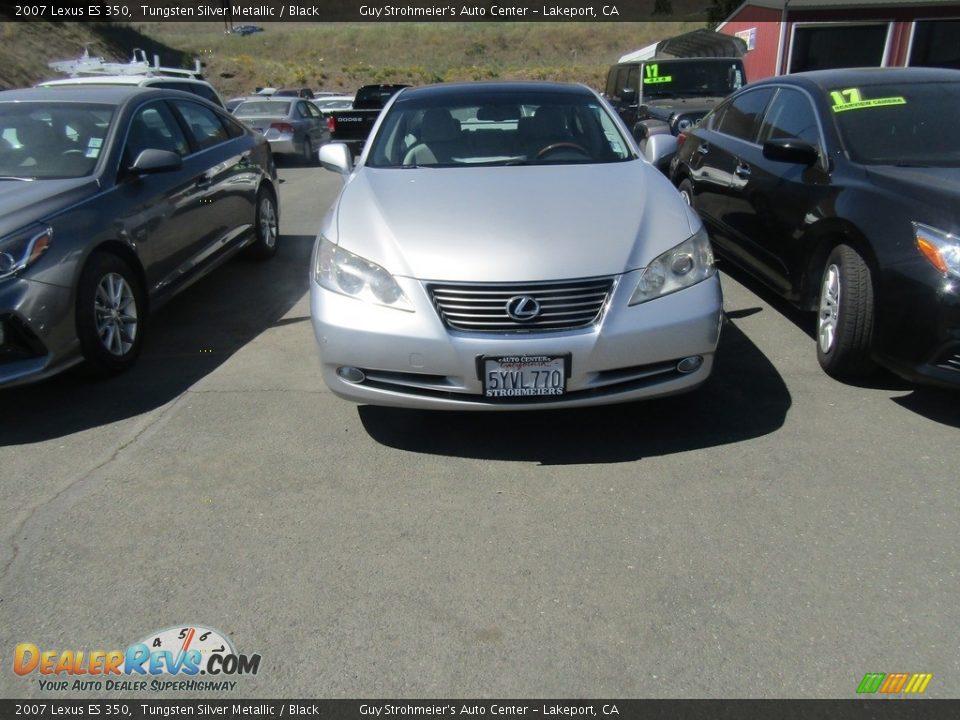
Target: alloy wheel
829,309
115,311
268,222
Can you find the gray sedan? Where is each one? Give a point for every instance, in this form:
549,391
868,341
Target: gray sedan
503,246
111,200
291,126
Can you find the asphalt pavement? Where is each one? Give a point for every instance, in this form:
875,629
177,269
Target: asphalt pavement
774,534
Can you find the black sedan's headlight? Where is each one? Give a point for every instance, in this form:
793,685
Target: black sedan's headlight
18,250
940,248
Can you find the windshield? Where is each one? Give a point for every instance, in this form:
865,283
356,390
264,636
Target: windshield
712,78
485,127
47,140
262,108
902,124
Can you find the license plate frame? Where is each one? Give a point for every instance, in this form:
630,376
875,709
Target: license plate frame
532,377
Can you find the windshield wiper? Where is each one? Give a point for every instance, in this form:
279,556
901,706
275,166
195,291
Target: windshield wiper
17,177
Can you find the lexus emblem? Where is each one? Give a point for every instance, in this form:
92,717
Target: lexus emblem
523,308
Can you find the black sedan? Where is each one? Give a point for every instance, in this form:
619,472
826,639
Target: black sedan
840,189
111,200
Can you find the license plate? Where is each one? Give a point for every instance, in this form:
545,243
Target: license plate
524,376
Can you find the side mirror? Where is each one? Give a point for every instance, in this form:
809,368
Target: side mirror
152,160
628,96
790,151
336,157
658,149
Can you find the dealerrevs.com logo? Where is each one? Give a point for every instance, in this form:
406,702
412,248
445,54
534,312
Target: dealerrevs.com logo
182,652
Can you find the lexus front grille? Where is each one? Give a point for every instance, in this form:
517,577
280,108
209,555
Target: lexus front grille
521,307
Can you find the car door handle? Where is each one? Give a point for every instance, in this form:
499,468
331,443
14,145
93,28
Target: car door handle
203,182
743,170
703,149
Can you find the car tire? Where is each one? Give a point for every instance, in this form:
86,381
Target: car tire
266,227
110,315
686,191
309,157
845,315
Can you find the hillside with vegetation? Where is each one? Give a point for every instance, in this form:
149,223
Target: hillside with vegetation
340,56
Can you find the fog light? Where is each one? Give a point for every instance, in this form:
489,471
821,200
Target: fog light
351,374
690,364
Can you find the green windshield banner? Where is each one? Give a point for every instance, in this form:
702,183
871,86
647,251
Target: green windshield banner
850,99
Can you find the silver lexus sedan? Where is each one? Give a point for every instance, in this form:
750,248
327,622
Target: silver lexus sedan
504,246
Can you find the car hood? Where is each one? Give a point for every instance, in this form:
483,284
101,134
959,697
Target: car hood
935,189
22,203
516,223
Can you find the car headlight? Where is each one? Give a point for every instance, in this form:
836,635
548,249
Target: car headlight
341,271
679,267
20,249
941,248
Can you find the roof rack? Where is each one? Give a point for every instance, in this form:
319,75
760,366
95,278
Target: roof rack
138,65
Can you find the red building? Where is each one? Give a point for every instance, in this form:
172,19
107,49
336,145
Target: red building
786,36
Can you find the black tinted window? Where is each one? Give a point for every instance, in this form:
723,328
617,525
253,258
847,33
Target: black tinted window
207,93
908,123
205,126
195,88
790,117
234,129
154,127
743,113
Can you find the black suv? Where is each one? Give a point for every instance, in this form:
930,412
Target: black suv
664,97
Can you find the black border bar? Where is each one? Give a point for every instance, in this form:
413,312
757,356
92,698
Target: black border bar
260,709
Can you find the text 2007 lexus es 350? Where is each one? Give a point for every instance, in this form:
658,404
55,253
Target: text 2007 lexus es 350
503,246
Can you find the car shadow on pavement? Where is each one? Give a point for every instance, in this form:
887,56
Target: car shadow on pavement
934,403
942,405
187,339
745,398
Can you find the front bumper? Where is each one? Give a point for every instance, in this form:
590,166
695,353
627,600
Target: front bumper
410,359
918,325
39,336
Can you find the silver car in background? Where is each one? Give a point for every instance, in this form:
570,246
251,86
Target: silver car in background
503,246
292,126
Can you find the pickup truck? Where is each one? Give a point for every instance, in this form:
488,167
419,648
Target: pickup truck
352,127
660,98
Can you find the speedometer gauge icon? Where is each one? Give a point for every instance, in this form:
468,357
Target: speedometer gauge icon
181,639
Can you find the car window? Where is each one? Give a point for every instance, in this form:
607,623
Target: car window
314,112
205,126
52,140
234,129
268,108
302,110
206,92
899,123
790,117
508,128
153,127
742,114
195,88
